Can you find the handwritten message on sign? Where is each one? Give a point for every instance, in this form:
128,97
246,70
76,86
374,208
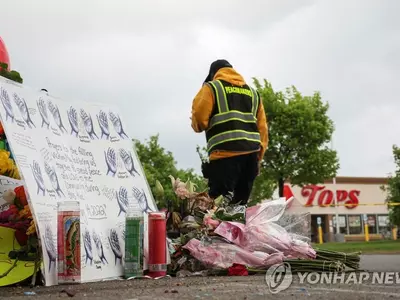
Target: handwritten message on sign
76,151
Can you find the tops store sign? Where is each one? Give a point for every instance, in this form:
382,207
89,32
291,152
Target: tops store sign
324,196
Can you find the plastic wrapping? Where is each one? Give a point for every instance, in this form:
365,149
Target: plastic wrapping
266,212
223,255
268,236
297,225
263,232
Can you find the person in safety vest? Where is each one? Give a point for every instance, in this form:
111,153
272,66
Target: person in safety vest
232,115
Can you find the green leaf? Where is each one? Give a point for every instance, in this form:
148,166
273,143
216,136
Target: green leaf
392,189
158,164
12,75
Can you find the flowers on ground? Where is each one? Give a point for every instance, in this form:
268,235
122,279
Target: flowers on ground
1,129
9,196
25,212
7,165
18,216
21,195
5,161
209,222
237,270
180,188
186,201
32,228
182,192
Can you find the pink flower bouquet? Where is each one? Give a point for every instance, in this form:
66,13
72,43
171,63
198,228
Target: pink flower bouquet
262,233
223,255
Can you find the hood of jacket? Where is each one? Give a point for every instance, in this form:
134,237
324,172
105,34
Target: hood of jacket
230,75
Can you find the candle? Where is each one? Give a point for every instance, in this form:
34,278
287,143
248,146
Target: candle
157,233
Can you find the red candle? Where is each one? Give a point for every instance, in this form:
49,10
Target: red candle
157,232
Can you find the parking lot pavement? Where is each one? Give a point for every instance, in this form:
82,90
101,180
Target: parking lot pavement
381,263
251,287
247,287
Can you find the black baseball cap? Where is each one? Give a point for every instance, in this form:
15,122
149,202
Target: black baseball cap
215,66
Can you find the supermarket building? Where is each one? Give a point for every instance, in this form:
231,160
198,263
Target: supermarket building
357,196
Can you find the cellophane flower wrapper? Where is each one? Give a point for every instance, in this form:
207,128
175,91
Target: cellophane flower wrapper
266,212
297,225
263,233
223,255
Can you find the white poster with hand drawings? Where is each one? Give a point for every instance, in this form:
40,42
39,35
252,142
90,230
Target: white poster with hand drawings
76,152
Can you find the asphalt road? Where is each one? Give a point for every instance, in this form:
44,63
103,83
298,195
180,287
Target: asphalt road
380,263
251,287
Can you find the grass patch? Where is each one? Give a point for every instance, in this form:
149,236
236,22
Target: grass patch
372,247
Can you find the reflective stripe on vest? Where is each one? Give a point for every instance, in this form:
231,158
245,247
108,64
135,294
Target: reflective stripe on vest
220,96
225,115
230,116
232,136
255,100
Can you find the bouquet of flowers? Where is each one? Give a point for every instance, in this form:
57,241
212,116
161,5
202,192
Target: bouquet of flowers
258,242
7,165
262,232
186,211
18,216
216,238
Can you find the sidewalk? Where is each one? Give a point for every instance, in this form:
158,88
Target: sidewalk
229,288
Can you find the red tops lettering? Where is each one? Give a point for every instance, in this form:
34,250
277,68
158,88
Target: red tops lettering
324,196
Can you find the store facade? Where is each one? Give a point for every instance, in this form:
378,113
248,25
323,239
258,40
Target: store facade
357,197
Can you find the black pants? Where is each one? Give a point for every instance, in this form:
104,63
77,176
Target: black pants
233,175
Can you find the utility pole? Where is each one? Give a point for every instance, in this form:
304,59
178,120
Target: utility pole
335,198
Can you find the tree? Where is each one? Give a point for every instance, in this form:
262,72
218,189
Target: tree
159,163
12,75
263,188
299,136
393,190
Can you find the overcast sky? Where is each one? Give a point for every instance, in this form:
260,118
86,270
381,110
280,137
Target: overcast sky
151,57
